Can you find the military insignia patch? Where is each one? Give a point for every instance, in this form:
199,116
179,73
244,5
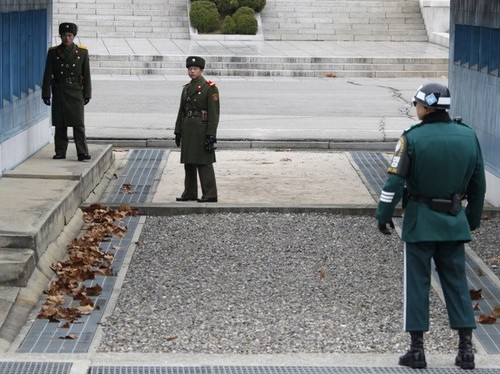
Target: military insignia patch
400,163
215,97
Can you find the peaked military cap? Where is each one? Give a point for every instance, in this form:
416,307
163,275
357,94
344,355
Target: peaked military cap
68,27
195,61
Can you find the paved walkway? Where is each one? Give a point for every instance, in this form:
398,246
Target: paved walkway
260,48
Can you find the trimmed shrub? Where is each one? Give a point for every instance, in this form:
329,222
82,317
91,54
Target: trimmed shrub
204,16
256,5
246,24
226,6
244,10
229,26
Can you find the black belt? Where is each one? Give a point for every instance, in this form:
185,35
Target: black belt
436,204
192,113
67,80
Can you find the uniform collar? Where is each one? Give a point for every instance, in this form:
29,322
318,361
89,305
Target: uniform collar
440,116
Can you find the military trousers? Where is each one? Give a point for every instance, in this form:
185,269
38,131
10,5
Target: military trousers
207,181
449,260
61,140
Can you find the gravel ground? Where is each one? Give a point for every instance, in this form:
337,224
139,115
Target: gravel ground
485,243
270,283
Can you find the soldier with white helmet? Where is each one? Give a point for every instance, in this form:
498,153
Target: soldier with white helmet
439,162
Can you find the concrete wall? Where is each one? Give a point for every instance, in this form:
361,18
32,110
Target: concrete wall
24,120
475,88
436,14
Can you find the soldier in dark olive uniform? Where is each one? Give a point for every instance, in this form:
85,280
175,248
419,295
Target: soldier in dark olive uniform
195,132
67,77
441,163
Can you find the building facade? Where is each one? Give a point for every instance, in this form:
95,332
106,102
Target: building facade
25,33
474,78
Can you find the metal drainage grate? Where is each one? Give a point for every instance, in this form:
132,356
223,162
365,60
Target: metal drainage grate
488,335
150,370
272,370
373,166
140,172
49,337
35,367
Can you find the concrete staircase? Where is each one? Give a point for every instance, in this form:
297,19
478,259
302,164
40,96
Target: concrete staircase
134,22
254,66
343,20
124,18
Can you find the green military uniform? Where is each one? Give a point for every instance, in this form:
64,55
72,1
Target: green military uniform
67,77
436,159
198,117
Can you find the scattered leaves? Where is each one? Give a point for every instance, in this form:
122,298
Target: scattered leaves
85,260
286,159
476,294
170,338
331,75
479,272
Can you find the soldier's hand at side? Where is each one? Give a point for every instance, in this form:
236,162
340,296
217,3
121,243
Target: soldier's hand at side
177,140
209,144
86,101
46,101
382,227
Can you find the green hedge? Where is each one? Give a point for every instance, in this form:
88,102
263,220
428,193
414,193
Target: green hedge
239,16
204,16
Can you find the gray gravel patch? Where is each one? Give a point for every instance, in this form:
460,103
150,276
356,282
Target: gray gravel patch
486,241
266,283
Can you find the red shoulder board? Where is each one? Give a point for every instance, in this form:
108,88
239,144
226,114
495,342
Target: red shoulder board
211,84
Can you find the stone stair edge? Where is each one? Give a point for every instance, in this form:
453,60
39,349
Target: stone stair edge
31,245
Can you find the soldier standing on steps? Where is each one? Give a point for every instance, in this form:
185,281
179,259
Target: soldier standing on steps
195,132
441,163
67,77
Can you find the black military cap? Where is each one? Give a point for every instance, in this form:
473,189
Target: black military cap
195,61
68,27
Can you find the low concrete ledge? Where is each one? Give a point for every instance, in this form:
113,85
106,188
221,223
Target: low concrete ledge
16,266
43,196
441,38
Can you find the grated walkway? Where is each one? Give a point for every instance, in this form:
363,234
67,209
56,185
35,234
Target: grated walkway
272,370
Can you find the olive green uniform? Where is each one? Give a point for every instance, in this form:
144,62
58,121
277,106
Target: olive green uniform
443,158
67,78
198,117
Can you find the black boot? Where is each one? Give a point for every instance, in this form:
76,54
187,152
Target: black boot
415,357
465,357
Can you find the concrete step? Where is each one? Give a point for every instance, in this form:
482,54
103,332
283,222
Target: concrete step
123,18
274,66
42,201
342,20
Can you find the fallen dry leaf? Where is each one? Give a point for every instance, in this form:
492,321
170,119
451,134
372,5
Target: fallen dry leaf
496,312
486,319
476,294
69,336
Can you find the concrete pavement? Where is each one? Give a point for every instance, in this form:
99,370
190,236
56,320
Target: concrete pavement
41,196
